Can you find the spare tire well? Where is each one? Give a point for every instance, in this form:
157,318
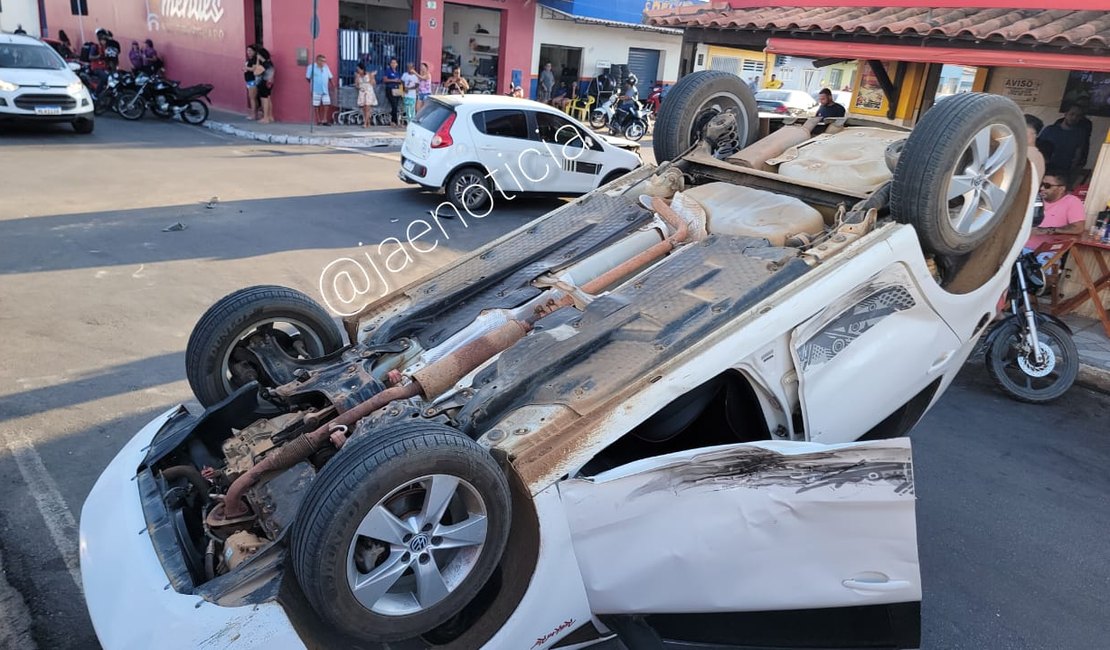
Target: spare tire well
723,410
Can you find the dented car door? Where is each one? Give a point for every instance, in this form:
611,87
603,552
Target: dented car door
753,527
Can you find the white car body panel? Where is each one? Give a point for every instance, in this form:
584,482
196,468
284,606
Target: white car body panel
577,575
656,536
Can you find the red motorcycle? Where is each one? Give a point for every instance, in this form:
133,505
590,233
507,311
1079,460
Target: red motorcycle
654,99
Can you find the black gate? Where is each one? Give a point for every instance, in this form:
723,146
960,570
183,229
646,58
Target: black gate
375,49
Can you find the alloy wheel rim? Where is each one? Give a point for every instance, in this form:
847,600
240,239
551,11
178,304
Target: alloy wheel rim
980,182
465,188
417,545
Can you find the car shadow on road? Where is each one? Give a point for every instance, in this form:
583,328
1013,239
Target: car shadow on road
243,229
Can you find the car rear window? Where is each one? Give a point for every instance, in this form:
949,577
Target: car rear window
432,115
502,123
772,95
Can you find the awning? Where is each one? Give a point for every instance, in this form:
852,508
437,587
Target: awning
825,49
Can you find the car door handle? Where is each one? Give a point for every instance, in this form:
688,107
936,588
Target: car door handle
883,586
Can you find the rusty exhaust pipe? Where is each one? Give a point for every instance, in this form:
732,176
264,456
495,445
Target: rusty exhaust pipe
437,378
428,382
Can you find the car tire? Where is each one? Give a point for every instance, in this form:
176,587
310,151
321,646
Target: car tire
83,125
130,105
235,317
387,472
195,113
973,142
695,100
468,189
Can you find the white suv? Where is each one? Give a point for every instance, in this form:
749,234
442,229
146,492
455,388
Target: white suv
37,85
477,147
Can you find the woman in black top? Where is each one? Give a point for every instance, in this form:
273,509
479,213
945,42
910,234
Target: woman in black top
252,82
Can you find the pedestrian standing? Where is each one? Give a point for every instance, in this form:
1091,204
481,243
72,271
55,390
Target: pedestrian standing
547,83
411,82
391,79
151,60
425,89
265,76
135,56
773,83
319,77
251,81
367,93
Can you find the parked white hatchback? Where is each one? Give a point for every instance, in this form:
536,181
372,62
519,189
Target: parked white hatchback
474,147
37,85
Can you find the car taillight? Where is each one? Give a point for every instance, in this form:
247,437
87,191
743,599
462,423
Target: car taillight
780,109
442,138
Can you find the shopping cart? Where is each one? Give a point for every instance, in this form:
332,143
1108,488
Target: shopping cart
349,111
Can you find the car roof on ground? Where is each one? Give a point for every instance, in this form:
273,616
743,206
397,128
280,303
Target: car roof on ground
19,39
486,101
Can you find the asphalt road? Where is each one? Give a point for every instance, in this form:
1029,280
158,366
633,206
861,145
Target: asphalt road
97,302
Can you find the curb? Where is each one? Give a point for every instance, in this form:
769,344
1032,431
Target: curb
318,140
1094,378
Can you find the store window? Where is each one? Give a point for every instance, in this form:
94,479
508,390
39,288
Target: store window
835,77
752,65
79,7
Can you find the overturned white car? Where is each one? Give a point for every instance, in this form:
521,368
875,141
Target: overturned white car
667,412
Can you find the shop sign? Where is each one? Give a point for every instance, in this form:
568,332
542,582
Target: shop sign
1022,90
199,18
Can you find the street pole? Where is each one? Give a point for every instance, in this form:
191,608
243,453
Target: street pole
314,28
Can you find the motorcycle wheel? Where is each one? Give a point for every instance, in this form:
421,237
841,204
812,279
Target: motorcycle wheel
635,130
195,113
598,120
130,105
1014,369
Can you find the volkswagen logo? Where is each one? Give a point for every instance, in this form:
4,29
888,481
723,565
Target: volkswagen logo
418,544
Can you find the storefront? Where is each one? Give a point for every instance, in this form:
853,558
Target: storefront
583,39
203,41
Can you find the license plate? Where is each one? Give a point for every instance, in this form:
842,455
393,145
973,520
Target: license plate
408,165
48,110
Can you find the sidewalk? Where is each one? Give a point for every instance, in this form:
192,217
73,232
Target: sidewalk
294,133
1094,352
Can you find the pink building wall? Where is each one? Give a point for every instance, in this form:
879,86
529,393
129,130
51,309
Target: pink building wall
201,41
518,24
204,41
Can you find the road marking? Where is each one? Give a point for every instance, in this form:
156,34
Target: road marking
394,156
15,620
59,520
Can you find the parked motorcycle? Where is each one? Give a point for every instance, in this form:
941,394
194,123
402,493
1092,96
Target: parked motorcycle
104,93
654,100
600,116
164,98
634,125
1031,356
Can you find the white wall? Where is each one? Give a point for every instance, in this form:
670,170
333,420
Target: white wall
600,43
14,13
1046,104
468,19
